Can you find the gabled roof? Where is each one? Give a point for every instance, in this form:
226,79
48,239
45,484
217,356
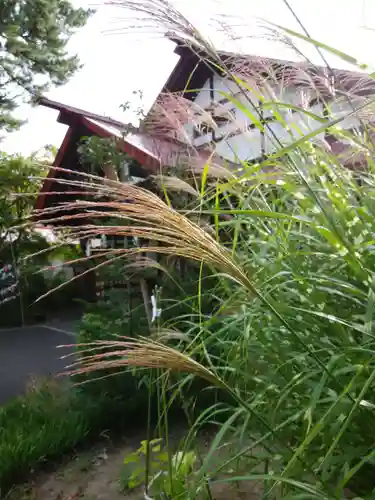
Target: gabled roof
152,153
195,66
67,112
148,151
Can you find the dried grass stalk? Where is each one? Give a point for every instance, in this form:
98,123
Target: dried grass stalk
138,353
144,216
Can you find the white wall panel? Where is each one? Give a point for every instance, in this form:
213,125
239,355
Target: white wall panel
241,142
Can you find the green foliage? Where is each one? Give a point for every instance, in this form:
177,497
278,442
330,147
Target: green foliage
158,460
34,35
47,422
33,284
186,293
165,471
20,181
111,318
99,151
23,308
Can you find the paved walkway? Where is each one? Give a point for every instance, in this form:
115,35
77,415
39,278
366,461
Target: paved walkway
30,351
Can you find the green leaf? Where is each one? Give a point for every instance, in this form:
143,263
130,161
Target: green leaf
342,55
258,213
218,439
132,458
285,105
280,479
253,118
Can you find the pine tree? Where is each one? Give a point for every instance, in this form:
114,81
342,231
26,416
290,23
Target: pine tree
33,39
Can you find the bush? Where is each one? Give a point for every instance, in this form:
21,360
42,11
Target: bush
23,307
108,319
33,283
26,307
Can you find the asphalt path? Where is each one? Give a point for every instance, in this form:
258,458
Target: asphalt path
29,352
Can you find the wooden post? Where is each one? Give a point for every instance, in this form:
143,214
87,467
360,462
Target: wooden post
110,173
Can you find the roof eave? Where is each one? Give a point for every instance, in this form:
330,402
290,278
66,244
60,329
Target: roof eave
68,114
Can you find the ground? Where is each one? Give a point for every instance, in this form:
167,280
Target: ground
91,475
96,475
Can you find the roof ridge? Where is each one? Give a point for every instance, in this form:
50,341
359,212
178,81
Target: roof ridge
49,103
185,42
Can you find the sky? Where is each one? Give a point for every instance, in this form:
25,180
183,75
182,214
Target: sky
117,62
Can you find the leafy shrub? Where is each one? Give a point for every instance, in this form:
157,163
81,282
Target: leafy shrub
33,285
34,282
167,475
23,307
108,319
186,294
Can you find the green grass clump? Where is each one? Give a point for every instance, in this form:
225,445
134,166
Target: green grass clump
47,422
54,418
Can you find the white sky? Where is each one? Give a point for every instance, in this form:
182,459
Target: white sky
117,64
